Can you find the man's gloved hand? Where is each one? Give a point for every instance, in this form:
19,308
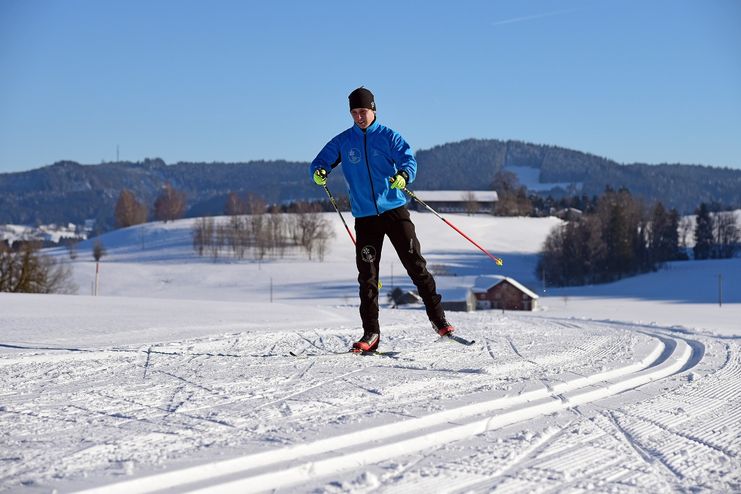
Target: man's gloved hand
399,181
320,177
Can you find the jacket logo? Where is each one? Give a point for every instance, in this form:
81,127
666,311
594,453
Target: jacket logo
354,155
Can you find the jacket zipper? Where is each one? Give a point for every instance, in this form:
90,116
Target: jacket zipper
370,177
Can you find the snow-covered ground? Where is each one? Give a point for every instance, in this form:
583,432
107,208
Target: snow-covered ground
179,378
48,233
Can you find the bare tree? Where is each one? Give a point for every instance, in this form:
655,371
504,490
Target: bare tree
311,230
98,253
129,211
256,207
239,236
685,230
218,239
727,235
170,204
234,205
278,232
26,270
72,248
512,198
203,230
98,250
470,203
505,181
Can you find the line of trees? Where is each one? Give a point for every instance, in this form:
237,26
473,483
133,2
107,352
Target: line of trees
169,205
253,228
717,234
621,237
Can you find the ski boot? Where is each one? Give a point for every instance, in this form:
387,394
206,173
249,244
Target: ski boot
443,328
368,343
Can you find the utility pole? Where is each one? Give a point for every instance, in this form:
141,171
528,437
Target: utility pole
720,290
543,276
117,155
97,277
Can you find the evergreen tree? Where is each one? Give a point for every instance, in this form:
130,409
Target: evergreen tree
703,233
663,238
620,216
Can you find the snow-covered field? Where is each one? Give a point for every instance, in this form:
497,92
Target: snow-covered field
179,379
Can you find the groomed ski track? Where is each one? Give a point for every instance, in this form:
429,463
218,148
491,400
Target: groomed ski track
657,354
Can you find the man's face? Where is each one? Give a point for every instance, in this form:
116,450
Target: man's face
363,117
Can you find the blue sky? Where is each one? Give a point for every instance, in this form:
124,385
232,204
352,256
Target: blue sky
633,80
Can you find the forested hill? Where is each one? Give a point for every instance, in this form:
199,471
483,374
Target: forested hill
71,192
472,164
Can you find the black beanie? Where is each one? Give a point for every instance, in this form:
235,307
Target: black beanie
362,98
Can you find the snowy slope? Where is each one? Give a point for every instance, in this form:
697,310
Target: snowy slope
179,378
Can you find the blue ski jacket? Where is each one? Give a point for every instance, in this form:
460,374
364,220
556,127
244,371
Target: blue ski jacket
369,159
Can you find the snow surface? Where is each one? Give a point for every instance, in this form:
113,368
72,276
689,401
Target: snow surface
179,378
49,233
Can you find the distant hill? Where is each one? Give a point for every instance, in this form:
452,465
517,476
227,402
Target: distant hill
472,164
70,192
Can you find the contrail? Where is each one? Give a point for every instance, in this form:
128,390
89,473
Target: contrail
531,17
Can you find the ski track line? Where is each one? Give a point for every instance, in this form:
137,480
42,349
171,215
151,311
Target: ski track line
654,462
362,448
512,463
283,398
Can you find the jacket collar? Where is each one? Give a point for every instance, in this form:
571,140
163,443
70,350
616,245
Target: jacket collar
371,128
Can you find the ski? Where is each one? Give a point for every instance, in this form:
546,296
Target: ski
458,339
375,353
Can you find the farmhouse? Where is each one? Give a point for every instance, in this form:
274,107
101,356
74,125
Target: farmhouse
488,292
458,201
501,292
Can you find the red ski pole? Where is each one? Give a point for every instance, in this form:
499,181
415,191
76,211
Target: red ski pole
334,203
496,259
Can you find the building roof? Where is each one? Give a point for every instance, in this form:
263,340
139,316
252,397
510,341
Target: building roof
485,283
456,195
455,294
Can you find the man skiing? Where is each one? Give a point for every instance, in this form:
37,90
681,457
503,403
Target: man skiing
378,164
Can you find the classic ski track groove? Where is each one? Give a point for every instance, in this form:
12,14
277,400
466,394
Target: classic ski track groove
299,463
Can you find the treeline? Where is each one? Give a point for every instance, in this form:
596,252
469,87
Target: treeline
169,205
717,234
71,192
254,229
620,237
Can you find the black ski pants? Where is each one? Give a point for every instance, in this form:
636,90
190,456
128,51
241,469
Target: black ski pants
370,232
